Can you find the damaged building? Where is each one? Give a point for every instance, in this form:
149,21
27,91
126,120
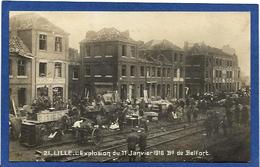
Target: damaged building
38,59
112,61
210,69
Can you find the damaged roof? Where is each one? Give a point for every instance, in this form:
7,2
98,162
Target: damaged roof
33,21
160,45
206,49
108,34
16,45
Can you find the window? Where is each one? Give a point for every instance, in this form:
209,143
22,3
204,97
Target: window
75,74
58,44
132,70
230,75
88,49
21,97
141,90
168,72
158,72
220,74
216,72
97,51
87,70
181,72
21,68
207,62
175,72
142,71
132,51
124,50
207,74
43,42
153,71
175,57
181,57
148,71
123,70
238,74
57,70
217,62
164,72
109,50
231,63
220,62
42,69
10,67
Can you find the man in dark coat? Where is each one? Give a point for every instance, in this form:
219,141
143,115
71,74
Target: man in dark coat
132,141
142,143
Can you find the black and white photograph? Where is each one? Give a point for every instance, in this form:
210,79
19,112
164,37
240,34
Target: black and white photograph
101,86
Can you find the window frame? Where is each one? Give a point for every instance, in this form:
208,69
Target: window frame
19,66
59,72
43,40
58,42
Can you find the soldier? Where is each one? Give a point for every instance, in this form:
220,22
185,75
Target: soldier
215,123
143,124
229,114
142,143
237,112
245,115
189,113
132,141
142,107
122,116
224,125
208,124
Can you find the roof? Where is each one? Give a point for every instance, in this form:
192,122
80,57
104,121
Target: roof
208,50
160,45
33,21
107,34
16,45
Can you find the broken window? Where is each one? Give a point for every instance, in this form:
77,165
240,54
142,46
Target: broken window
132,70
75,74
124,50
142,71
158,72
123,70
87,70
181,72
132,51
109,50
175,72
88,49
153,71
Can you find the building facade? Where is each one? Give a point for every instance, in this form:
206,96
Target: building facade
48,46
112,61
210,69
20,68
74,73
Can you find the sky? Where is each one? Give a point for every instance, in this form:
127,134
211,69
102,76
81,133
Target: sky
213,28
